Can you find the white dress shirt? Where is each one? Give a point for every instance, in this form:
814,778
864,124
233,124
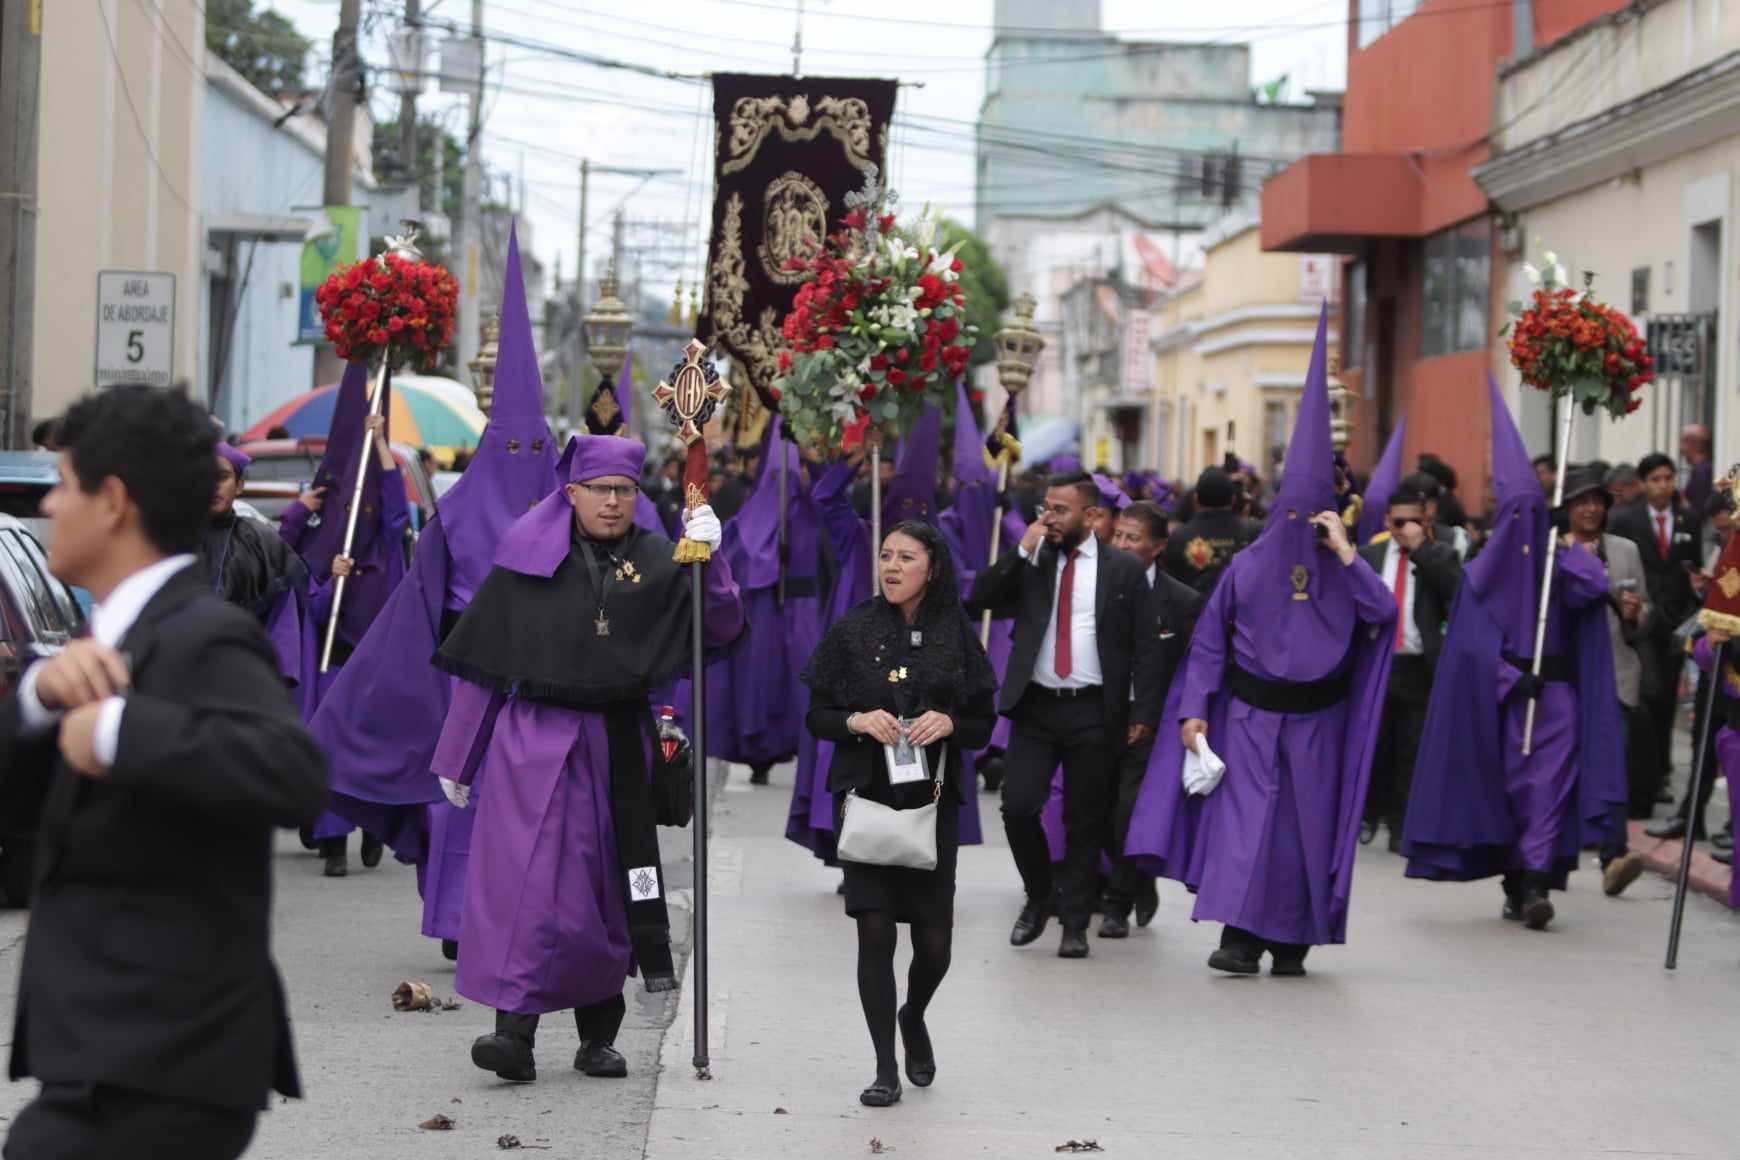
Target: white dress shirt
110,622
1084,647
1411,644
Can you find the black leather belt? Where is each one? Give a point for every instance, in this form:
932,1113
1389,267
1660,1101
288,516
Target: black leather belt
1064,694
1557,668
1287,696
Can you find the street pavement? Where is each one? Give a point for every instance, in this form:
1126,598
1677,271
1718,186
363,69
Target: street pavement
1438,1032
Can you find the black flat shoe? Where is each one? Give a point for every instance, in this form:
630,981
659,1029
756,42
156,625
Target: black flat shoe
372,848
880,1094
922,1072
337,866
1670,828
1288,962
1147,904
1074,945
601,1060
306,833
1235,961
1725,857
1114,926
508,1056
1367,831
450,949
1029,925
1537,911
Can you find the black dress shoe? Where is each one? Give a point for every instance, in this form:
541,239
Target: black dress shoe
1725,857
371,851
337,865
306,833
1723,841
1029,925
991,769
1235,961
508,1056
1367,831
1147,903
1670,828
1537,907
601,1060
450,949
922,1072
1074,945
881,1094
1288,960
1513,910
1114,926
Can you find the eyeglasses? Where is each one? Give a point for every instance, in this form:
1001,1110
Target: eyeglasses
1056,510
603,491
1404,521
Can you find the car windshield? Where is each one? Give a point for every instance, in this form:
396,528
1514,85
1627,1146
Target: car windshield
296,467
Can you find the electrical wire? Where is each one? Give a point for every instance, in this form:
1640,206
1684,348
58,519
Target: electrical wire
138,121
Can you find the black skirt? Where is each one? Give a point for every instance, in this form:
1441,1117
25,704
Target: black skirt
921,897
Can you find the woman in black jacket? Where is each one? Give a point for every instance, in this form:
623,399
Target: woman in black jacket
905,661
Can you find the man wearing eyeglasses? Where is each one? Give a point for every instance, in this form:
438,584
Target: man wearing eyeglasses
1423,574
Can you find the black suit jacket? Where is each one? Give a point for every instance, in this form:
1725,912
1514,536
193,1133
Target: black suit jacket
1199,551
1122,605
1670,584
147,965
1437,572
1172,611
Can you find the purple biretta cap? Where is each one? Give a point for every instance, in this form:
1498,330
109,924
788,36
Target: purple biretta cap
596,456
235,458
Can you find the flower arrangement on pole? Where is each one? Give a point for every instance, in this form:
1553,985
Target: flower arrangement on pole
395,308
877,329
1572,345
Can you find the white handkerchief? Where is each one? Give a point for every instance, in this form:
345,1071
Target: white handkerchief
1203,769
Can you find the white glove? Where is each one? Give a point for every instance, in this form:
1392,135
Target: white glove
456,793
703,527
1202,768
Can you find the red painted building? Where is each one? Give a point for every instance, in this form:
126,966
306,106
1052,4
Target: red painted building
1424,271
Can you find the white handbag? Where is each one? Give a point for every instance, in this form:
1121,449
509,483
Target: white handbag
880,835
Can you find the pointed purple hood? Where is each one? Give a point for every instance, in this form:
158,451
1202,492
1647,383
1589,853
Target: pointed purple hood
911,495
970,465
1507,572
337,474
752,537
1384,478
515,463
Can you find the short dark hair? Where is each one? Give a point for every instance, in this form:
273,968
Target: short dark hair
1654,461
1431,465
1542,461
1407,496
46,435
1424,483
1214,489
1623,473
160,444
1150,515
1082,482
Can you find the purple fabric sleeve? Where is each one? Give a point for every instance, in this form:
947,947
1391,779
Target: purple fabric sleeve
722,604
1375,603
465,734
395,509
1205,663
1580,580
293,524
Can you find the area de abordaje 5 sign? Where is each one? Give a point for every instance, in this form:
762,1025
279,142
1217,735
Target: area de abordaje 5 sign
135,328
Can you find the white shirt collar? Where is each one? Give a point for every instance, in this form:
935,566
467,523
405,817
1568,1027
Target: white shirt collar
111,619
1089,547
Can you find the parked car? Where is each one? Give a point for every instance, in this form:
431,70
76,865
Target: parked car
291,464
38,615
25,477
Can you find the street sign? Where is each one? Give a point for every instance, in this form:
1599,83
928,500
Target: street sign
135,328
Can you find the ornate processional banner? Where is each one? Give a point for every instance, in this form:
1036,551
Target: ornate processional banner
786,152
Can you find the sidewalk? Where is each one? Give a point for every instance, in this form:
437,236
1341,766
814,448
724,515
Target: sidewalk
1439,1032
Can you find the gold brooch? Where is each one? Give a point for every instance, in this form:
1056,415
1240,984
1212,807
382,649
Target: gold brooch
897,675
1301,581
627,572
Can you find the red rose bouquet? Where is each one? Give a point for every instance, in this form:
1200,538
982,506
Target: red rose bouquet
393,307
877,329
1570,344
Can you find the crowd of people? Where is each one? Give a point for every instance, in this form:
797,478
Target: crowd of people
1226,685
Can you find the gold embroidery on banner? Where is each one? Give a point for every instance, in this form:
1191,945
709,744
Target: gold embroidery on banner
753,118
794,222
727,286
1729,583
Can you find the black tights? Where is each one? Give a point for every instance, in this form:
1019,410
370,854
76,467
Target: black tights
877,939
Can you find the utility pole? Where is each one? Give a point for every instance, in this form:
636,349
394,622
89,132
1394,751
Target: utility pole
20,67
471,228
579,384
408,106
340,139
797,43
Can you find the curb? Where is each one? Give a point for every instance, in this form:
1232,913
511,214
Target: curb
1709,876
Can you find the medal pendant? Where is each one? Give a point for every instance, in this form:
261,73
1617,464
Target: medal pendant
602,626
917,639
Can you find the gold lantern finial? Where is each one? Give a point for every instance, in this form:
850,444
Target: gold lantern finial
482,363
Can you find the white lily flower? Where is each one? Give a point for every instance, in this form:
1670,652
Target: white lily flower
1532,274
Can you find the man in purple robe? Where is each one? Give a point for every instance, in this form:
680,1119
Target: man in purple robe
315,525
381,719
1284,679
582,615
1480,807
755,701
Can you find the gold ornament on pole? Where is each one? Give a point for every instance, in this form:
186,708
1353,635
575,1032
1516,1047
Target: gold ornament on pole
1341,403
482,364
1019,344
608,327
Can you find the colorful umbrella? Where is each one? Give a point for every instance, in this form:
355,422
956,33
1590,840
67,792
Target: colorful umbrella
426,412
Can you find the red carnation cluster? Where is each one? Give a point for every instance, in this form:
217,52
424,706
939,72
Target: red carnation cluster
390,306
1566,342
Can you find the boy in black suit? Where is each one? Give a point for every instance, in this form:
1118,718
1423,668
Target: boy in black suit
148,1004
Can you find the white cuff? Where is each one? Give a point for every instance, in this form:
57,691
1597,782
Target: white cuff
1030,557
106,742
35,717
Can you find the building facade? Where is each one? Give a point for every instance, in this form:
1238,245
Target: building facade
1619,147
1425,270
1230,351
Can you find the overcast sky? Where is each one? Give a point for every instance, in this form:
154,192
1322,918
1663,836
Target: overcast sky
544,113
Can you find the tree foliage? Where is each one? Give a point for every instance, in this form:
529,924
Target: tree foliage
263,46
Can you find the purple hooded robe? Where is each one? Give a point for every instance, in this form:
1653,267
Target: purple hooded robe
1479,807
298,628
1384,478
388,702
1271,849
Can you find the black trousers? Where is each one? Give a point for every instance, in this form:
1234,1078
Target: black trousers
1642,773
1127,881
598,1023
70,1121
1398,746
1661,686
1071,731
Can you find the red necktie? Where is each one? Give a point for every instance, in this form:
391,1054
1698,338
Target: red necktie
1401,598
1063,663
1661,540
